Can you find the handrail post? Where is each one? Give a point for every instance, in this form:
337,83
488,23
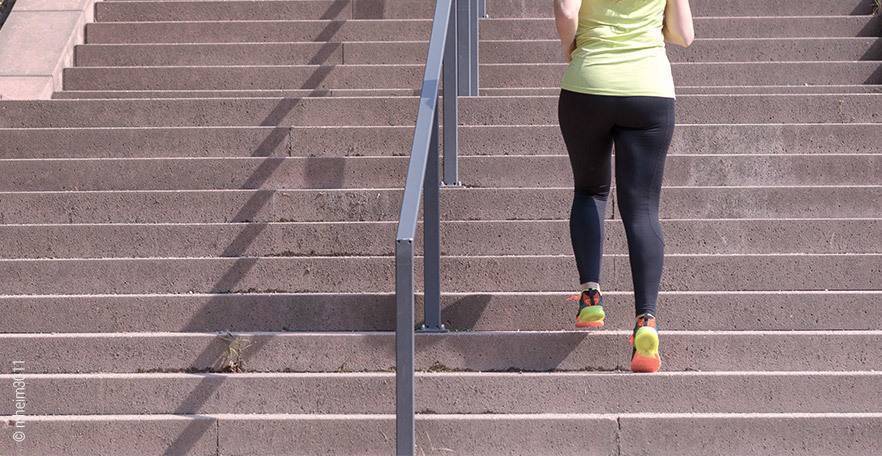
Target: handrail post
404,349
465,42
473,46
423,180
432,236
451,106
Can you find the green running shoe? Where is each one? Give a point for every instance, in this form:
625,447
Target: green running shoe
590,314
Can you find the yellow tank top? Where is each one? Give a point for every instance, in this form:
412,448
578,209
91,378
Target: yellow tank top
620,50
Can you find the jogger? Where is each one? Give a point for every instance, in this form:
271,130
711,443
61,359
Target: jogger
641,128
618,90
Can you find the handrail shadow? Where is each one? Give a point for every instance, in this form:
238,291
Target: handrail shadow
5,10
217,354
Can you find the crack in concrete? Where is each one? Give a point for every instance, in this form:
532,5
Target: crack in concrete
618,436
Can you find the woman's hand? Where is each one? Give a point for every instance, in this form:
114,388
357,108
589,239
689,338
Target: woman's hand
566,18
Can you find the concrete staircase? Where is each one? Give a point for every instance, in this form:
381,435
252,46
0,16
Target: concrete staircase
197,238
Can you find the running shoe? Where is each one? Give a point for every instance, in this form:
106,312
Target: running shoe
644,340
590,314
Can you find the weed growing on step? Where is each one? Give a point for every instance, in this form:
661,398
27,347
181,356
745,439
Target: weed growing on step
231,360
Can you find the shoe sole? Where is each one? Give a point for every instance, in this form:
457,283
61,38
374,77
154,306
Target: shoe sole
591,317
646,357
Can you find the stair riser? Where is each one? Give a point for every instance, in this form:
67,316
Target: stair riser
530,8
823,89
505,171
203,10
753,90
377,9
459,238
827,89
416,30
692,109
269,31
384,141
400,111
458,351
491,52
324,93
720,311
812,436
853,393
466,274
690,436
111,436
385,205
410,76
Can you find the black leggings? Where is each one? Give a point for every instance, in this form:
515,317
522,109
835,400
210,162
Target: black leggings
641,127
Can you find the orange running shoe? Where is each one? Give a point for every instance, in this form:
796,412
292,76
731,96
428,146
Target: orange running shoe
644,340
590,314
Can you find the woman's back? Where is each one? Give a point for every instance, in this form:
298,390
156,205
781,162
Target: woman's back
620,50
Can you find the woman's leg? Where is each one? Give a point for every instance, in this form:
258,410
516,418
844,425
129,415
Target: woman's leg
585,123
642,137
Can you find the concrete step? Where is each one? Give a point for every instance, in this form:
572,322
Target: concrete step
720,311
683,272
832,88
687,434
502,51
727,236
827,89
386,172
257,141
419,29
410,76
527,8
399,111
491,91
229,10
300,93
797,26
698,109
451,393
211,206
330,31
607,350
205,10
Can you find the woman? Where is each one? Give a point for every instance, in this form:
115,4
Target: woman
618,89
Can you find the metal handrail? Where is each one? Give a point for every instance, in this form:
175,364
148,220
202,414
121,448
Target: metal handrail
453,47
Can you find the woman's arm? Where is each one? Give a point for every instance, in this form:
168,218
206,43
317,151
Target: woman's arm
677,27
566,17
